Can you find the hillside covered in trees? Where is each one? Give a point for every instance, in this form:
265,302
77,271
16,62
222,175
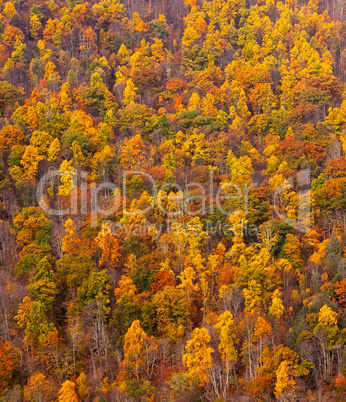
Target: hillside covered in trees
172,200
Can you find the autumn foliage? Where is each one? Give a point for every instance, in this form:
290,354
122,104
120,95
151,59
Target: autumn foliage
172,200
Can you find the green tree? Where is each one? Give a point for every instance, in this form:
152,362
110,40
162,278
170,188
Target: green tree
44,286
83,386
97,286
32,317
172,312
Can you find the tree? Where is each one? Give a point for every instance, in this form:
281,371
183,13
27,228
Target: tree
96,286
72,269
44,286
53,150
252,296
273,377
222,12
227,337
172,312
108,11
139,361
285,383
35,25
207,107
129,92
9,10
109,246
67,392
134,117
138,24
9,137
9,359
262,330
190,36
70,238
334,256
132,152
30,162
327,317
38,388
9,95
83,386
77,261
197,358
227,345
194,102
162,279
340,290
32,317
157,51
67,175
277,309
32,229
292,252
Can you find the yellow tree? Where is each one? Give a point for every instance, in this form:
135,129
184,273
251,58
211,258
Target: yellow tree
131,154
70,236
273,376
139,354
194,102
190,36
227,344
292,252
9,10
227,336
326,332
208,106
327,317
30,162
138,23
129,94
67,175
195,146
53,150
276,309
253,296
67,392
44,286
134,349
124,53
285,382
215,262
126,288
35,25
51,75
78,156
197,359
157,51
222,12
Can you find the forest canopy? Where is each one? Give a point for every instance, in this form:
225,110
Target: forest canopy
172,200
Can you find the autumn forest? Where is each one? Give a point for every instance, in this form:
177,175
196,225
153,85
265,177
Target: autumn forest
172,211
